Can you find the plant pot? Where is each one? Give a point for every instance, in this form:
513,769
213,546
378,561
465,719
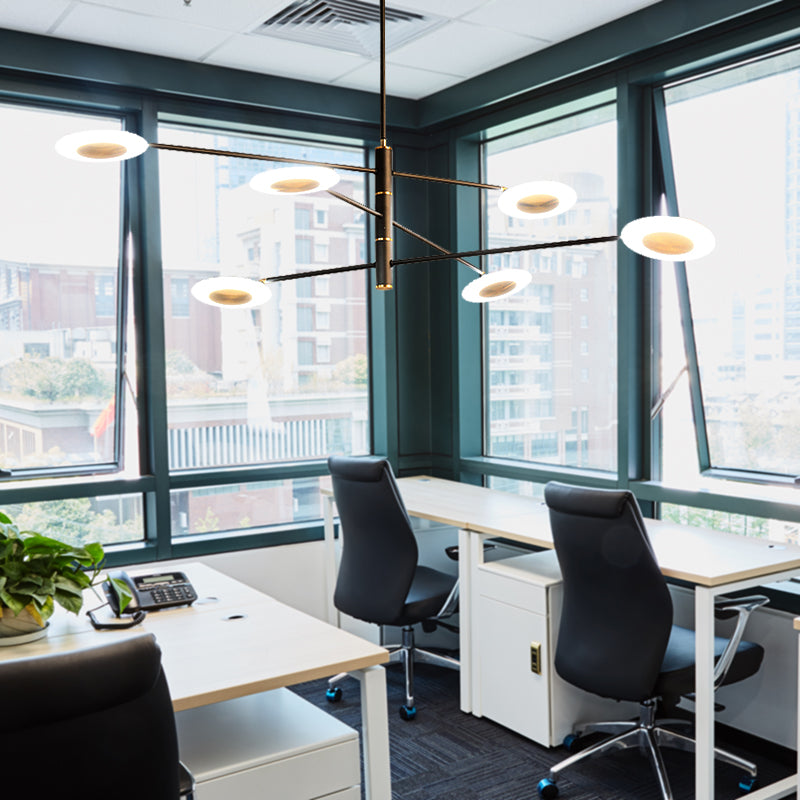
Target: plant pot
21,628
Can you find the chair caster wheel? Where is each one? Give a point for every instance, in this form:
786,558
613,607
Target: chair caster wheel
408,713
333,695
571,743
547,789
747,784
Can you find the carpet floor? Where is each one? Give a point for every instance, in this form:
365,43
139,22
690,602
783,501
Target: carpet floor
444,754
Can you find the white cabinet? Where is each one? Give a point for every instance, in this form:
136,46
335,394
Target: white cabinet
517,603
273,744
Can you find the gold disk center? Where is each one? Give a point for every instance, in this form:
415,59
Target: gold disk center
670,244
295,185
497,289
537,203
102,150
230,297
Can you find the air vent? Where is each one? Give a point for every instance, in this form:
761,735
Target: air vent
352,26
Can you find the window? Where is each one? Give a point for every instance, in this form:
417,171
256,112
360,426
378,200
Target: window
179,294
302,249
533,335
305,352
243,386
745,324
105,303
305,318
60,267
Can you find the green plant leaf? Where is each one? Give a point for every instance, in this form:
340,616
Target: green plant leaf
4,519
72,602
124,595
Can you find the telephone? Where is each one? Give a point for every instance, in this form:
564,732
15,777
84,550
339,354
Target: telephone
151,592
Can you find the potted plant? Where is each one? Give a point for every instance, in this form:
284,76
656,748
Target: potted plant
36,572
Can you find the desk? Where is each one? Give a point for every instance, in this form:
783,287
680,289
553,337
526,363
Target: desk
235,641
712,561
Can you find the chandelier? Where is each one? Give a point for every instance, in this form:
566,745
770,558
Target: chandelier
665,238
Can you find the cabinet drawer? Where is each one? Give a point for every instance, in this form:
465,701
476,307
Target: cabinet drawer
520,593
305,777
273,744
511,693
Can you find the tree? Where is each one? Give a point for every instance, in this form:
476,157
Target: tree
57,379
352,371
75,521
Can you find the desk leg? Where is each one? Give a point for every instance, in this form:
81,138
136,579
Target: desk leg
375,733
465,620
704,693
329,559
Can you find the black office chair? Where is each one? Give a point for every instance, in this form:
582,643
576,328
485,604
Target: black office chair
616,638
93,723
379,578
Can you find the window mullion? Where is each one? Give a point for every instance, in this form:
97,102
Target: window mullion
664,168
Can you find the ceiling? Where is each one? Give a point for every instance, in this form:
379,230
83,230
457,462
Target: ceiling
431,45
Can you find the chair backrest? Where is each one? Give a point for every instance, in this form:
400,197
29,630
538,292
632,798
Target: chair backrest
379,550
617,611
93,723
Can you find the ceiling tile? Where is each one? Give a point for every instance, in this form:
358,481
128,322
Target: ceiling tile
552,21
230,15
401,81
274,56
139,32
460,48
35,17
442,8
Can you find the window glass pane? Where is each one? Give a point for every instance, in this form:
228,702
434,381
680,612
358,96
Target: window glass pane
243,386
245,507
59,280
114,519
735,139
545,360
775,530
526,488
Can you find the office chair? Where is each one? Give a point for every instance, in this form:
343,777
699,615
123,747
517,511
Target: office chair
616,638
93,723
379,579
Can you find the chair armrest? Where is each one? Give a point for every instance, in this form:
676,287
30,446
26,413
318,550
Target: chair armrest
186,781
728,608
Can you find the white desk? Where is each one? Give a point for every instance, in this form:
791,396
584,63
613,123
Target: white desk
712,561
235,641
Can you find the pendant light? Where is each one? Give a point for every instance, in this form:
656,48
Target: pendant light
663,238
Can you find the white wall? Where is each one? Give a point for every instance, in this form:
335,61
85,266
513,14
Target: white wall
290,573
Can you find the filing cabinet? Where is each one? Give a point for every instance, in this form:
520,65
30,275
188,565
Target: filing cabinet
272,744
517,606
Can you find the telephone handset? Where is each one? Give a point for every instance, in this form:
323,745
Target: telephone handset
151,592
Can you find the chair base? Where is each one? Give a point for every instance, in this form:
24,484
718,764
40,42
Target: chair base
407,654
649,736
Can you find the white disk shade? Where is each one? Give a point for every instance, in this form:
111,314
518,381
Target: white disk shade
537,200
294,180
495,285
101,146
225,292
668,238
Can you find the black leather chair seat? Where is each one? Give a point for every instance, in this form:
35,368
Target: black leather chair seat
677,669
426,597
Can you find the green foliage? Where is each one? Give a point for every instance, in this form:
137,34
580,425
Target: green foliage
352,371
57,379
36,571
